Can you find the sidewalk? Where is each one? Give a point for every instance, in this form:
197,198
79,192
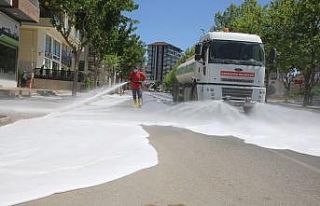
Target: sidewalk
297,105
26,92
161,96
14,92
3,118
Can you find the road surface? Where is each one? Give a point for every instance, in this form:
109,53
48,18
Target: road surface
196,169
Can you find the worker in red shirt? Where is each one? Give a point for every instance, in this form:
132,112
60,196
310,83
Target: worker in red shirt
136,77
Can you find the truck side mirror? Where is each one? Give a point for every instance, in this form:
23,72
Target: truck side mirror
198,52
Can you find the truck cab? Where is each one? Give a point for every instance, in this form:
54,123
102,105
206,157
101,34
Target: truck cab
227,66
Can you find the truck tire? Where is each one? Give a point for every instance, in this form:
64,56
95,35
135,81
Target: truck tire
180,93
175,90
186,93
247,109
194,94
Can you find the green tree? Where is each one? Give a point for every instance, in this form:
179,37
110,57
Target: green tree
251,18
123,44
291,26
297,37
93,19
132,54
112,44
170,78
112,62
226,19
307,33
186,55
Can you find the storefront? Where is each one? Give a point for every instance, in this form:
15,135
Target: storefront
9,42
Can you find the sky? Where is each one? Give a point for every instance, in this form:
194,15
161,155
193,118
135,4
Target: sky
178,22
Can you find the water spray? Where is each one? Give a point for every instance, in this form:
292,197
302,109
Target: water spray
88,100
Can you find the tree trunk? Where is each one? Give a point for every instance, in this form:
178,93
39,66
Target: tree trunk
96,64
287,84
309,78
95,78
114,76
308,85
75,72
307,95
267,84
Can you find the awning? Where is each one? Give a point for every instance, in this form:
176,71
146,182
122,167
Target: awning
8,41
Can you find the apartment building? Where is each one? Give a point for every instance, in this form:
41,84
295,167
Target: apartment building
44,51
12,14
162,57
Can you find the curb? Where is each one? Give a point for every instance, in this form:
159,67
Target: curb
4,119
297,106
159,97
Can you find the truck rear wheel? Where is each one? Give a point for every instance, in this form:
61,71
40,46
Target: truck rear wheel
194,92
175,92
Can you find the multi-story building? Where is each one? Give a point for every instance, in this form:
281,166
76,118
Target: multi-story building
162,57
12,14
44,51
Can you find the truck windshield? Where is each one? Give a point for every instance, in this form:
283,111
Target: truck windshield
235,52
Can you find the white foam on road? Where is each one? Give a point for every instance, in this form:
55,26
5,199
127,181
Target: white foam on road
269,126
30,106
101,139
43,156
59,152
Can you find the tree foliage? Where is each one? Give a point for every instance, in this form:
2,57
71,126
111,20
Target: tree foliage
226,18
132,54
122,43
186,55
170,78
99,22
291,26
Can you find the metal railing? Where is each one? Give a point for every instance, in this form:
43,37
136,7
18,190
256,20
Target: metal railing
62,75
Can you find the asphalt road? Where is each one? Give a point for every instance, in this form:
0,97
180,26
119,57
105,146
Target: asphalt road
197,170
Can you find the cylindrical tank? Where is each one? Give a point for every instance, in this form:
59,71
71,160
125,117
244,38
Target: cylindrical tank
186,72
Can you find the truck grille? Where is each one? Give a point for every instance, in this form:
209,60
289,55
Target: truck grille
236,93
237,80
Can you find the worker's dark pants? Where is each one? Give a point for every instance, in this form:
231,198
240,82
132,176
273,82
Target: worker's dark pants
135,93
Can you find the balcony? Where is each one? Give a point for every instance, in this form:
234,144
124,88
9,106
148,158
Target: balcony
21,10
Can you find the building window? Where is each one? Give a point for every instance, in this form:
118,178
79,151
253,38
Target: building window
47,63
53,53
56,50
55,66
48,47
8,62
66,58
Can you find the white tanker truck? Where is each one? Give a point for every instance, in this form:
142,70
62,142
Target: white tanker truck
227,66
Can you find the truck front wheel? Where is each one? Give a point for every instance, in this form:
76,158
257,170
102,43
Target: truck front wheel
247,109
